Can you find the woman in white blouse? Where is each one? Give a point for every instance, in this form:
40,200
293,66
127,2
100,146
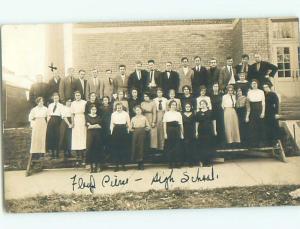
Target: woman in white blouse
38,122
120,126
231,122
255,114
173,132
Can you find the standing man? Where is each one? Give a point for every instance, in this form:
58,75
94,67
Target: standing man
169,79
81,84
261,71
186,74
137,79
67,86
200,76
93,85
227,74
153,79
213,73
107,84
121,81
243,67
38,89
53,85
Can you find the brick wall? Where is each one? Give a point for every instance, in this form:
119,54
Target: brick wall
109,48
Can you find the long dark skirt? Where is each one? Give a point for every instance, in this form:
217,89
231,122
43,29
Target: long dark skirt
205,146
241,112
120,144
189,150
172,144
137,148
272,129
52,135
218,116
256,124
65,137
94,146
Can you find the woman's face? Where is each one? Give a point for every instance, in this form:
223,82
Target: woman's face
138,111
216,87
267,88
105,101
173,106
203,92
239,92
93,97
77,96
119,108
230,91
172,94
203,105
254,85
56,98
93,110
41,103
146,98
120,95
134,93
186,91
159,94
188,107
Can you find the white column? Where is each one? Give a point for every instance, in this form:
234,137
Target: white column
68,46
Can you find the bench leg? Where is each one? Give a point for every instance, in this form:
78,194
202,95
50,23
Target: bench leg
28,170
281,152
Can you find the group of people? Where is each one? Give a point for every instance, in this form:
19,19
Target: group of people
183,115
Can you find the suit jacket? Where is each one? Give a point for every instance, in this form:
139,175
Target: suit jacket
225,77
169,83
67,87
241,68
185,79
157,78
139,84
213,77
261,72
53,87
91,87
38,90
81,89
200,78
120,85
106,87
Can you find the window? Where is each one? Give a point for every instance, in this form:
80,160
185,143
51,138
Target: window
282,30
283,62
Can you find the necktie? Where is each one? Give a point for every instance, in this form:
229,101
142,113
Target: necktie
232,100
54,108
95,82
138,74
230,71
257,66
160,105
71,79
151,75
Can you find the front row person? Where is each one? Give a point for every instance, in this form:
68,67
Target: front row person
120,126
94,143
139,126
65,135
173,133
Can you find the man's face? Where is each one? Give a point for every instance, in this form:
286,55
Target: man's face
185,63
257,58
245,60
168,66
197,61
108,74
134,93
95,73
229,62
122,70
138,67
71,71
81,75
151,66
213,63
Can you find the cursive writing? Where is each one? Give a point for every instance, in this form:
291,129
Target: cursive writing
81,184
163,180
113,182
198,177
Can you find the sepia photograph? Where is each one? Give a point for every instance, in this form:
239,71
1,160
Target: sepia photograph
148,115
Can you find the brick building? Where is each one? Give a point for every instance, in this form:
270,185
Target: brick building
108,44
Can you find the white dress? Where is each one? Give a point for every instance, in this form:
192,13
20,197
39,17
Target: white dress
37,118
79,130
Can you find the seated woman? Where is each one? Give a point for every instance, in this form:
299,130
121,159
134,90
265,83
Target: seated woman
205,148
231,122
121,99
172,94
173,133
255,115
203,96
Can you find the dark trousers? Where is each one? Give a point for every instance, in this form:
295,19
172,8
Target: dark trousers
52,134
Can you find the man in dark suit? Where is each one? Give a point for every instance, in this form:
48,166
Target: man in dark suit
53,85
169,80
227,75
261,71
81,84
153,79
38,89
213,73
67,86
200,76
137,79
243,66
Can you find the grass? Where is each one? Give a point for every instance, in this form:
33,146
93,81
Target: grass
254,196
